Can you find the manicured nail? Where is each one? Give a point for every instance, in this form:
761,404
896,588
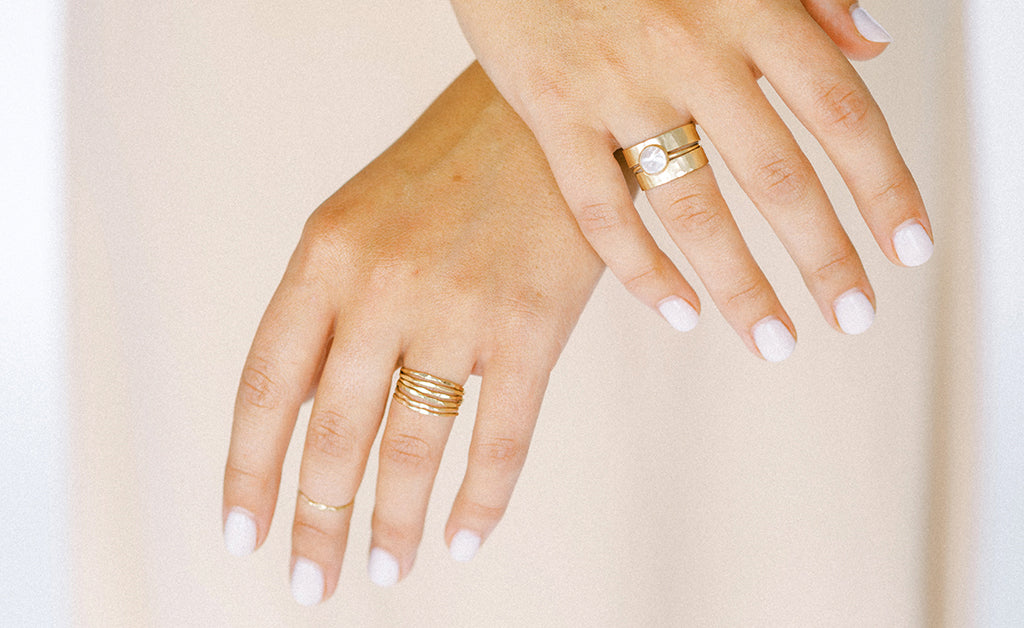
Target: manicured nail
853,312
773,339
912,244
240,532
307,582
383,568
868,27
679,313
464,545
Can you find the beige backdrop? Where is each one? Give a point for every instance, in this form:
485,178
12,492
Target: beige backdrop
674,480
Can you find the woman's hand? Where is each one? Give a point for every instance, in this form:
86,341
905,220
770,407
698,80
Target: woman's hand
590,76
452,253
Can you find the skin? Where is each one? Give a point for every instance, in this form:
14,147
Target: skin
466,263
589,77
469,262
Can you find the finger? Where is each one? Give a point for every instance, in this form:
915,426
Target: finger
346,414
698,220
829,98
592,184
696,217
510,400
410,453
850,26
280,369
779,179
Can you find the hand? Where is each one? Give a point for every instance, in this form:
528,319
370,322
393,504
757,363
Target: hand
589,77
452,253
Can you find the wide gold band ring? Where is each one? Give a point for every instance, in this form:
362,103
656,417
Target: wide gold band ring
666,157
428,394
324,507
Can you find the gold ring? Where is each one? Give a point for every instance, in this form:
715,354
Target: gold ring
428,394
325,507
666,157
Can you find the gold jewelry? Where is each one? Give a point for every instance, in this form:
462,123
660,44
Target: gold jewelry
325,507
427,394
666,157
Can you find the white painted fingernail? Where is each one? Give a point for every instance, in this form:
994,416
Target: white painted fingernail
773,339
854,312
383,568
912,244
679,313
868,27
307,582
464,545
240,532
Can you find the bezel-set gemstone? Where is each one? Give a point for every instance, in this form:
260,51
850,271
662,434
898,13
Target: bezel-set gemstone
653,159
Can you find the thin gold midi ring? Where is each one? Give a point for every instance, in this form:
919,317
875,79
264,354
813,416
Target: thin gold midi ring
427,394
666,157
324,507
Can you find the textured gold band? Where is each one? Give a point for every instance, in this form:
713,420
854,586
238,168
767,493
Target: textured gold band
325,507
428,394
666,157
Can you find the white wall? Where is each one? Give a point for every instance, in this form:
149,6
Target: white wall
995,49
33,374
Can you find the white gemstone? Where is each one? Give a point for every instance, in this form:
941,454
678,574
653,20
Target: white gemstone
653,159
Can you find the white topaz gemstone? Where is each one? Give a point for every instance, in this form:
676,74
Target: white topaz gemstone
653,159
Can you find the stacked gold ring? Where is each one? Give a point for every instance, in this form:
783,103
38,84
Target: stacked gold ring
428,394
666,157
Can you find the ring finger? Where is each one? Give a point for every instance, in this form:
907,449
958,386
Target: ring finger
695,215
410,453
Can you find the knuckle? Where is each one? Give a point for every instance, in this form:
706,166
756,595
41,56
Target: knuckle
333,435
782,179
398,534
638,278
479,511
750,292
499,451
323,241
598,218
896,191
236,475
837,265
407,450
312,533
259,387
694,214
843,107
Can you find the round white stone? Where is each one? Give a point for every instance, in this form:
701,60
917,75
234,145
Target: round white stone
653,159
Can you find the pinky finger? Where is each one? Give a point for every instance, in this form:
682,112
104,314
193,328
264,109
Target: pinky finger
510,399
591,181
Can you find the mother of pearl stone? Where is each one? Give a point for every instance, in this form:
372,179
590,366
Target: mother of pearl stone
653,159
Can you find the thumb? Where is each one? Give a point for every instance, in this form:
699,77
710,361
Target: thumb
851,27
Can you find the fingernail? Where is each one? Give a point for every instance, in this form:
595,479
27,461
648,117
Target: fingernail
868,27
240,532
854,312
679,313
912,244
773,339
464,545
383,568
307,582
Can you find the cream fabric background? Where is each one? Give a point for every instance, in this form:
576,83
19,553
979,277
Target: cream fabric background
674,479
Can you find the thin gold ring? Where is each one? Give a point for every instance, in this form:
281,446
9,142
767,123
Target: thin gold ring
428,394
666,157
324,507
